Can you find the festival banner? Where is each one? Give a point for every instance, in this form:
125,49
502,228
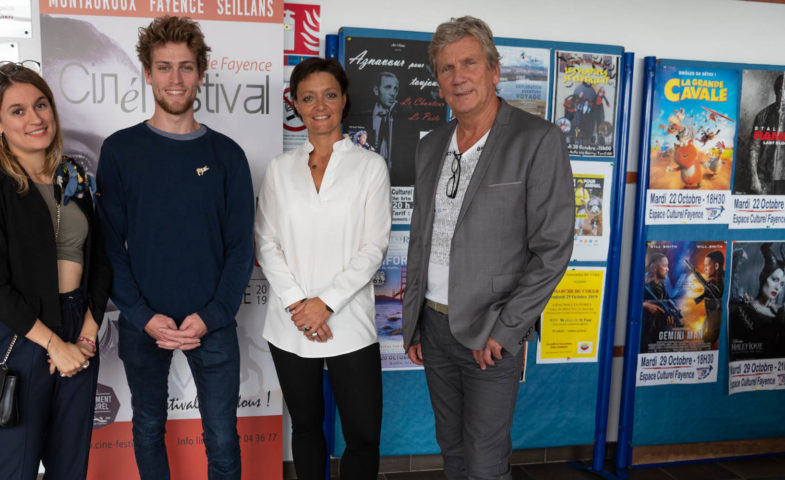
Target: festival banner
592,183
524,78
759,172
692,145
89,60
571,321
756,317
584,99
395,100
682,312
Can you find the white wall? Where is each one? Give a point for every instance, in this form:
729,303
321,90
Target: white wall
712,30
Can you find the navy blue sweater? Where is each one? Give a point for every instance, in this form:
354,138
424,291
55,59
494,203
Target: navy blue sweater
177,217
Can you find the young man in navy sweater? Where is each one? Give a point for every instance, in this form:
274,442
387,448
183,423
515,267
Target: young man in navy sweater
176,206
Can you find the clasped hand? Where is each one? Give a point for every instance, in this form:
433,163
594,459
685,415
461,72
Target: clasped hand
67,358
166,334
310,316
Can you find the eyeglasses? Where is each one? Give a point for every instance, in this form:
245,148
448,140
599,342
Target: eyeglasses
455,168
8,69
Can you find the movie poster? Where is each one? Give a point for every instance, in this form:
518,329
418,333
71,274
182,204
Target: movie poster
681,312
395,100
524,78
89,60
756,317
389,284
692,145
592,183
584,102
759,171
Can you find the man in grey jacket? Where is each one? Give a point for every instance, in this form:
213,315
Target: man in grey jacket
491,236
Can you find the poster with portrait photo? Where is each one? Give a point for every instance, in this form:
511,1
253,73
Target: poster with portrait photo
756,317
395,99
681,312
759,172
760,169
682,296
524,78
584,99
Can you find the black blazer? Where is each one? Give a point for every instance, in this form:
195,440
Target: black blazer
28,260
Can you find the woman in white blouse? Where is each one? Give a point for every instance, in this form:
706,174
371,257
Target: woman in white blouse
322,229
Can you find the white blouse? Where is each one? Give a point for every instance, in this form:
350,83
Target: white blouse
327,244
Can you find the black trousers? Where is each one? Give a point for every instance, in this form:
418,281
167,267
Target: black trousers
357,384
56,413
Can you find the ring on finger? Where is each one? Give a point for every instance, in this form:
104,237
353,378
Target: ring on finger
306,329
315,334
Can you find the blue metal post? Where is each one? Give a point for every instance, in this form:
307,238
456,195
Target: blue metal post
614,255
632,341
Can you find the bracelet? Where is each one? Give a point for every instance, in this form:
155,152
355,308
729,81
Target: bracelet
87,341
49,341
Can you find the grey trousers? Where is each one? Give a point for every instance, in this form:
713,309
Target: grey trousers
473,408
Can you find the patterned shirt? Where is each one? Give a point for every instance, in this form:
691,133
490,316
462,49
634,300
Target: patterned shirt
446,212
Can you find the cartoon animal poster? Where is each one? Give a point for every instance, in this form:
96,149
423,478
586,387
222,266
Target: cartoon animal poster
694,121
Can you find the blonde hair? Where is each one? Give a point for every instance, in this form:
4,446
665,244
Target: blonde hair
456,29
11,74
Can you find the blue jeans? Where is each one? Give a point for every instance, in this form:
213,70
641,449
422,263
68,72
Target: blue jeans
56,413
215,366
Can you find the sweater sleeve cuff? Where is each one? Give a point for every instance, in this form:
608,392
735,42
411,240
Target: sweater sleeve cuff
214,317
141,315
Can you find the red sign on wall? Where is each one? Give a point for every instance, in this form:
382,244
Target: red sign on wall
301,25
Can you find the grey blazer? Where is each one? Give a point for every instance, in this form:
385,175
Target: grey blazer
514,234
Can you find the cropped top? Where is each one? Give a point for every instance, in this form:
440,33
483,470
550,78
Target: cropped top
73,225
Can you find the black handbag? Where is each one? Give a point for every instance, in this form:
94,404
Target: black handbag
9,381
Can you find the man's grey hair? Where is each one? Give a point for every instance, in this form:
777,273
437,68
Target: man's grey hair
456,29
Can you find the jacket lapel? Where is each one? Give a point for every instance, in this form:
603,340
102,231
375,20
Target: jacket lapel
485,160
431,174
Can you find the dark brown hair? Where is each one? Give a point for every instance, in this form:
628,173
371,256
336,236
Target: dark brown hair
314,65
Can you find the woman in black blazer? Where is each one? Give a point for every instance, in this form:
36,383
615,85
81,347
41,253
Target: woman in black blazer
54,284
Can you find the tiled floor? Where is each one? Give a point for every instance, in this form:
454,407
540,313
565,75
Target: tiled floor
767,468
